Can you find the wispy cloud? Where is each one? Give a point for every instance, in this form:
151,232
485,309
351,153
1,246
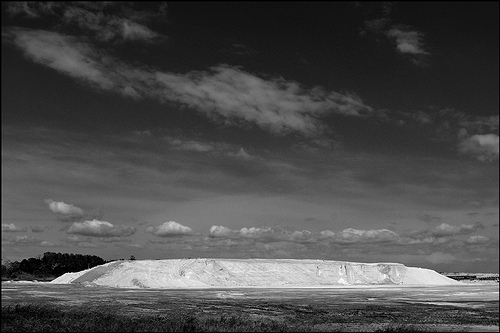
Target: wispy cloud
93,19
170,228
408,41
30,241
96,228
190,145
223,93
232,95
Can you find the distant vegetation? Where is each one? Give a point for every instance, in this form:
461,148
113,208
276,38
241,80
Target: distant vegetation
49,266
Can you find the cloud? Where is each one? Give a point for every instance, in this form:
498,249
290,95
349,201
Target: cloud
11,227
445,229
221,231
241,154
275,104
223,93
190,145
65,212
59,207
354,235
169,229
478,240
377,25
483,147
433,236
65,54
409,42
72,239
327,234
47,243
134,31
79,242
96,228
21,8
29,241
262,234
95,19
266,234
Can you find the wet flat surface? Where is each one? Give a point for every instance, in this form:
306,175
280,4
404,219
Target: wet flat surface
444,305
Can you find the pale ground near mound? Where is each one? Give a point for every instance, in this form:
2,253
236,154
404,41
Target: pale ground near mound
261,273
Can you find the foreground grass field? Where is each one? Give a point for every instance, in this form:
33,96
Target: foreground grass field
47,317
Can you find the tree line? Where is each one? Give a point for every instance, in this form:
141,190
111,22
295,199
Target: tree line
48,266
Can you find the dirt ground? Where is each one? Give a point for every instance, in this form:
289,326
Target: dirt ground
473,308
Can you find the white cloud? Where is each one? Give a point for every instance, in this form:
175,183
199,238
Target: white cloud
327,234
170,228
220,231
266,234
478,239
407,41
11,227
355,235
484,147
98,228
59,207
255,232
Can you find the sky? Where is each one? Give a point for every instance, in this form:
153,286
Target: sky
364,132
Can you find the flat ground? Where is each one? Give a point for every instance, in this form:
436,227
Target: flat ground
440,308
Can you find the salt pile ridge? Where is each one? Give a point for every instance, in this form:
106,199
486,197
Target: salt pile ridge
234,273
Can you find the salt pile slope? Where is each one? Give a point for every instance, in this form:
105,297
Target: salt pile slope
234,273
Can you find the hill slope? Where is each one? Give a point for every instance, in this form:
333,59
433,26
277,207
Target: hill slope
209,273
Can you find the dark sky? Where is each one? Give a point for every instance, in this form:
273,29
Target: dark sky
341,130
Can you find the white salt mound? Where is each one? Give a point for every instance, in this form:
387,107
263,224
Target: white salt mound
264,273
